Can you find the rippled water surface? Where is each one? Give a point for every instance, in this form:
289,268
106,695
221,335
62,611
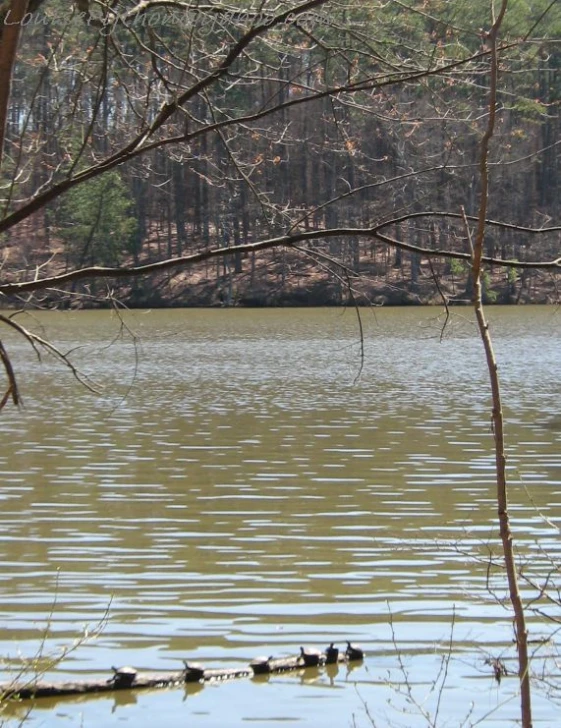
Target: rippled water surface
241,486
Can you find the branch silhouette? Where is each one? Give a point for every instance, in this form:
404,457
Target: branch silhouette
289,241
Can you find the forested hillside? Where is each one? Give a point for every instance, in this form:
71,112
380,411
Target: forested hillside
138,133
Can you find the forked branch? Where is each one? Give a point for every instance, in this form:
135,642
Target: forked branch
38,344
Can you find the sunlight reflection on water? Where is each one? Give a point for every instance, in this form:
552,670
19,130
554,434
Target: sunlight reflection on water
247,497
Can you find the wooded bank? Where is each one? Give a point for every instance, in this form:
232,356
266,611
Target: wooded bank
149,133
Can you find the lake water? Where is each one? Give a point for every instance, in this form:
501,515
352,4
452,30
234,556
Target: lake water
241,487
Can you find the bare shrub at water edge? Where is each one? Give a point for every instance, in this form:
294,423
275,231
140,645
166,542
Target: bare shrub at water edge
27,671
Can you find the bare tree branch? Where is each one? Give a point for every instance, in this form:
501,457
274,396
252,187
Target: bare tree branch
141,143
283,240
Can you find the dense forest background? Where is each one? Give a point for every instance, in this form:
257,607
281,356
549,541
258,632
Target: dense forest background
345,116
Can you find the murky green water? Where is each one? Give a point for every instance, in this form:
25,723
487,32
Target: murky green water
237,489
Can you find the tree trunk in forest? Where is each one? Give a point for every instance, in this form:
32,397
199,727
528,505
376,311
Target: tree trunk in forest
10,28
179,202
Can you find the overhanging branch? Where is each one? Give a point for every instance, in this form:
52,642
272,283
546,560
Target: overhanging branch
288,241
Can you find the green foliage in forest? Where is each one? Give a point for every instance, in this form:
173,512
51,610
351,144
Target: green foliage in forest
97,223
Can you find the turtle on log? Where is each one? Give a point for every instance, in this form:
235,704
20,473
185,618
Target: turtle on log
123,676
310,656
331,655
354,652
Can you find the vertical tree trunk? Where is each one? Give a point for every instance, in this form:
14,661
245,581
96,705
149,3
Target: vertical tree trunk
10,28
520,629
179,203
477,245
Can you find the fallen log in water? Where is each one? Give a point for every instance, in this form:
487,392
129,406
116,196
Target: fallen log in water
59,689
127,678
